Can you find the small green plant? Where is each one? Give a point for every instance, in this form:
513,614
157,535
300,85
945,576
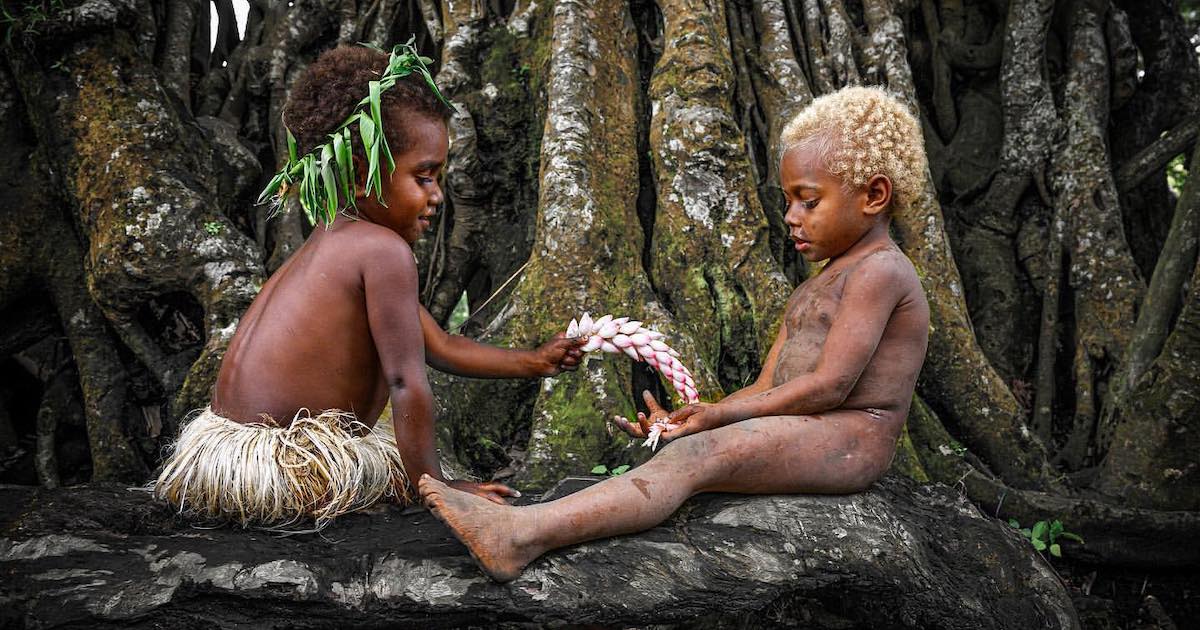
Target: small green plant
214,227
27,22
521,73
603,470
953,448
1045,534
1176,174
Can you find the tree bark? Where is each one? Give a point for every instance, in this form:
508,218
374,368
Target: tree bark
108,123
1152,460
795,557
1103,277
624,157
957,378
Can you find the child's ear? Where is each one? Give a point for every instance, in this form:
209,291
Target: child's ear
878,191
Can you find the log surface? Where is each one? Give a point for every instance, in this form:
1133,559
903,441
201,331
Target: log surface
899,555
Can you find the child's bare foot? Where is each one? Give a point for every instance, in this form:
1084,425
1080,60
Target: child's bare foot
487,529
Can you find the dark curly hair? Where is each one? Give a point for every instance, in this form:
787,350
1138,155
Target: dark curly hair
326,93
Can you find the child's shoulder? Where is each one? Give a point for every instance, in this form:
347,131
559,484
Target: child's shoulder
887,259
885,267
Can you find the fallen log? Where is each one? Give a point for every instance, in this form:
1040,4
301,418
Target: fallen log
899,555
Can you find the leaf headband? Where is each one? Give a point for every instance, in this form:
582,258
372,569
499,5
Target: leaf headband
328,168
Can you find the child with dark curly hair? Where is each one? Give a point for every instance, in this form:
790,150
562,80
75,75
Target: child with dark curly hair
338,331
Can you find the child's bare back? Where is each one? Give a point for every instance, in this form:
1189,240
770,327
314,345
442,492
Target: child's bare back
281,359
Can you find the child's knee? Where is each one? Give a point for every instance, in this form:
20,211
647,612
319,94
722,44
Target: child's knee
690,447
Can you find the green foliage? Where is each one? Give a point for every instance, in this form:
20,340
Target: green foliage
328,170
953,448
32,14
1045,534
601,469
460,313
1176,174
521,73
214,227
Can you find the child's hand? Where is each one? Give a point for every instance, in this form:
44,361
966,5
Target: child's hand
642,428
493,491
559,355
695,418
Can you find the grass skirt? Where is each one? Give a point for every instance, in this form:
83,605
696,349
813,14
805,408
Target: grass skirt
319,467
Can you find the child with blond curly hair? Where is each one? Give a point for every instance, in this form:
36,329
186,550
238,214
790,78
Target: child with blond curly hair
834,391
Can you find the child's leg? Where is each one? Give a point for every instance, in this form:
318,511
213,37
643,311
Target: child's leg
837,452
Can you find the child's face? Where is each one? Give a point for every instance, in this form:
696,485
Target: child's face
412,192
823,218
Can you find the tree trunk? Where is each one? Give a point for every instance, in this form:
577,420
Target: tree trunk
622,157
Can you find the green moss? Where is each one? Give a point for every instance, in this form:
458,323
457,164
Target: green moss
906,461
939,455
571,426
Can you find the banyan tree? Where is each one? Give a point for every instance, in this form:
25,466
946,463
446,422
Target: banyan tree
621,156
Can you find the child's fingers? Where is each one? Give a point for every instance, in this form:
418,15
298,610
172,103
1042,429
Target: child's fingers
495,498
651,402
500,489
644,423
629,428
677,432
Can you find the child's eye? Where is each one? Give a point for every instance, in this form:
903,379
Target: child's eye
811,203
424,181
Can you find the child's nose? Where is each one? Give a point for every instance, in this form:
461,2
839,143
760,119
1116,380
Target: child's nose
792,215
436,197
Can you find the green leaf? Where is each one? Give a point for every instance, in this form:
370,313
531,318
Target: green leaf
1026,532
1039,530
373,100
1038,544
599,470
1012,522
291,142
1075,537
329,183
272,187
620,469
1056,551
308,189
341,157
366,130
1056,528
374,179
380,137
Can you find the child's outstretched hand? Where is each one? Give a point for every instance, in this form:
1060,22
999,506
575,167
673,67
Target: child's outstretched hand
695,418
641,429
560,354
493,491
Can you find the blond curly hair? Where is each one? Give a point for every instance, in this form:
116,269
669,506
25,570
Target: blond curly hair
860,132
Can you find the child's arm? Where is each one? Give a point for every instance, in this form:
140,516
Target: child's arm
393,314
459,355
870,295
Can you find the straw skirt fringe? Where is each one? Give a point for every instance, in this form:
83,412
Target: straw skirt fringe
319,467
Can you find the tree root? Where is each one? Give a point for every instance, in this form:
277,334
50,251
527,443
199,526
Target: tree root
1114,534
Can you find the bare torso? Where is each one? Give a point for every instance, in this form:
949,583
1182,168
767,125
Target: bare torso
884,389
305,342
